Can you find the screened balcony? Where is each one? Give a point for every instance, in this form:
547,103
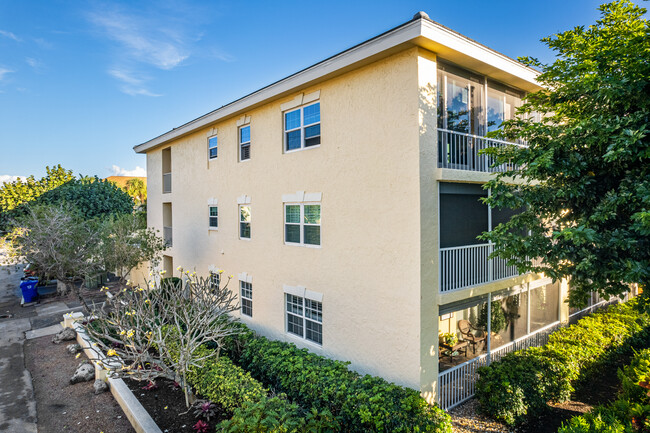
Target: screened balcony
469,106
464,259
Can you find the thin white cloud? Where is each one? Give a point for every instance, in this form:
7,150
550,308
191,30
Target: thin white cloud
34,63
131,85
9,35
3,72
7,178
119,171
143,40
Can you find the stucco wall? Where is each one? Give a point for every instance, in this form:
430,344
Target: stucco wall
367,168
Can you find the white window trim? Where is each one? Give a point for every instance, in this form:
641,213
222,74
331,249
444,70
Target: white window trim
210,158
245,278
248,143
303,293
210,206
302,126
239,221
302,224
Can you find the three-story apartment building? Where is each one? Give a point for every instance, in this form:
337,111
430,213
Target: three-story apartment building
345,200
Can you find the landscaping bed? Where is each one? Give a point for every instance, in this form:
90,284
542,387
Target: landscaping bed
166,405
63,407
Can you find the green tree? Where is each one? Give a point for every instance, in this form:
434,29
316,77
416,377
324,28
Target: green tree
15,194
126,242
58,243
90,196
585,175
137,189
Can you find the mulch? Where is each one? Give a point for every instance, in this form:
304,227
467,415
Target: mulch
62,407
166,405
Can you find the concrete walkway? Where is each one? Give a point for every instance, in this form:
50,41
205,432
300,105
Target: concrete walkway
17,404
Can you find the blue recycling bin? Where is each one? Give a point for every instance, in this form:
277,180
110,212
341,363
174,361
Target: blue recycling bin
28,287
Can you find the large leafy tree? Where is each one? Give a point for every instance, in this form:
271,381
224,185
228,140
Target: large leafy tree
584,179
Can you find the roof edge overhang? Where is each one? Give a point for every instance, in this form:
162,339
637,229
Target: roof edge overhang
420,32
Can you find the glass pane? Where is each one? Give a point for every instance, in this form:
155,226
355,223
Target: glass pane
312,214
292,213
294,324
212,142
312,235
293,140
245,230
457,104
245,213
245,134
314,331
292,120
213,152
314,141
214,211
495,110
292,233
314,310
509,319
245,152
312,114
247,307
466,331
294,304
312,131
214,222
544,305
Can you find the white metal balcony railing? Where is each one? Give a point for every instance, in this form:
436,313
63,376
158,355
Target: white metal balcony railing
458,384
167,235
461,151
167,183
469,266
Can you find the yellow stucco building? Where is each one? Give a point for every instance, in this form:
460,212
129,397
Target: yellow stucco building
344,199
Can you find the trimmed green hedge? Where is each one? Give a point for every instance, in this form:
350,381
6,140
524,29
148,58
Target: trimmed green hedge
226,384
629,413
522,382
359,403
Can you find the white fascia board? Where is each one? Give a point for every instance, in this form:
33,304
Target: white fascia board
303,78
422,32
451,40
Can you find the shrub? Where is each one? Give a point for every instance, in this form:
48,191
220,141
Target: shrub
277,415
359,403
630,412
226,384
522,383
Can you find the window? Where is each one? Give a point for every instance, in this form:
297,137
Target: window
305,318
214,217
244,222
302,224
212,147
244,143
215,280
246,290
302,127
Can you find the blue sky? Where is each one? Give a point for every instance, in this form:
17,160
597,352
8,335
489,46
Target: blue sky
82,82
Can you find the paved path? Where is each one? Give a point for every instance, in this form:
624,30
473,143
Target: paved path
17,404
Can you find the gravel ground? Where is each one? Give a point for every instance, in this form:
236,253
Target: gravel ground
62,407
465,419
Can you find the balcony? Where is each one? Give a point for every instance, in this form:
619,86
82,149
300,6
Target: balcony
461,151
167,183
167,236
468,266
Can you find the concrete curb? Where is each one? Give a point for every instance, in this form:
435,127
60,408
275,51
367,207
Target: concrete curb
134,411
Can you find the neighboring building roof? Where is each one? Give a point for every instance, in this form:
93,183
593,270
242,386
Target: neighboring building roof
420,31
121,181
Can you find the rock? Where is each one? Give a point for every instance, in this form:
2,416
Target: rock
65,335
100,386
84,373
73,348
